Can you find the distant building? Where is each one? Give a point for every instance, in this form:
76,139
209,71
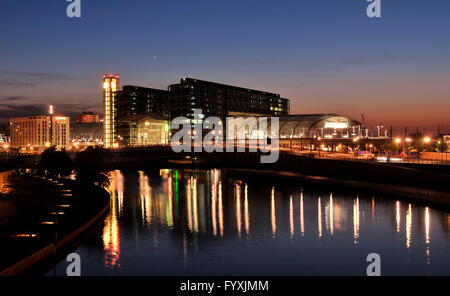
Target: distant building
39,132
215,99
144,130
83,135
311,130
88,117
135,103
325,126
222,100
111,84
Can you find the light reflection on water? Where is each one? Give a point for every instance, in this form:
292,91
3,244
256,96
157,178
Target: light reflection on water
200,223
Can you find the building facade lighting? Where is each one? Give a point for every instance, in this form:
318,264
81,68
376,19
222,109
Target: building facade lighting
338,125
111,84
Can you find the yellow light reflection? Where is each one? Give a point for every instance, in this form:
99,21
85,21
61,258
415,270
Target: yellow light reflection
189,205
195,203
291,217
408,226
356,220
373,208
237,196
273,212
170,205
319,216
111,229
398,215
427,225
213,204
331,214
145,196
427,235
120,190
220,209
302,218
246,211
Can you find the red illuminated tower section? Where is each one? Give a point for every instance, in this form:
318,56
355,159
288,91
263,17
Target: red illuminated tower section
111,84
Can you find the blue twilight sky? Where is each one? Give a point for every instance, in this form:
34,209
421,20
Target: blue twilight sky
325,55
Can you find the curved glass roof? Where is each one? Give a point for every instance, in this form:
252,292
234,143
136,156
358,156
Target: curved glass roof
306,126
86,131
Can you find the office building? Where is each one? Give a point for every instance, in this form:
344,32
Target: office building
123,109
39,132
222,100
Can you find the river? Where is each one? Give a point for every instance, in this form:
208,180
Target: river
198,222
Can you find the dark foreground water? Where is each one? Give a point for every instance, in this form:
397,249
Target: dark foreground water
200,223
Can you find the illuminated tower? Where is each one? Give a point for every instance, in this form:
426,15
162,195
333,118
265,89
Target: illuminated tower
111,83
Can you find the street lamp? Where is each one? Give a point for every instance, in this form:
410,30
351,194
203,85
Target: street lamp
427,140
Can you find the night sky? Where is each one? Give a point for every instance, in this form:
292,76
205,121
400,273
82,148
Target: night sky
326,56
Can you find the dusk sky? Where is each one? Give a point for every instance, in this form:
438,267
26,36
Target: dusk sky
326,56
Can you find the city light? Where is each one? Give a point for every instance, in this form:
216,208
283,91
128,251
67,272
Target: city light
341,125
427,140
398,140
111,84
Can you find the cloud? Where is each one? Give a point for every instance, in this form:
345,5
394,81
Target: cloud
16,83
13,99
42,75
8,111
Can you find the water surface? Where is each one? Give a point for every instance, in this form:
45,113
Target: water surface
200,223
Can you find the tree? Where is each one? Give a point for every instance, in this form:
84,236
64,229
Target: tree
89,167
56,163
442,145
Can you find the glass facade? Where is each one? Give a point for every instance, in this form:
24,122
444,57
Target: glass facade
35,132
123,108
222,100
144,130
133,103
111,83
150,131
310,126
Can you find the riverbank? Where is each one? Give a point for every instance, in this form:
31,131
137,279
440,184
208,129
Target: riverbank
67,212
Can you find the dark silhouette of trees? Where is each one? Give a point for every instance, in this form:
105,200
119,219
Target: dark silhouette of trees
442,145
56,163
89,167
